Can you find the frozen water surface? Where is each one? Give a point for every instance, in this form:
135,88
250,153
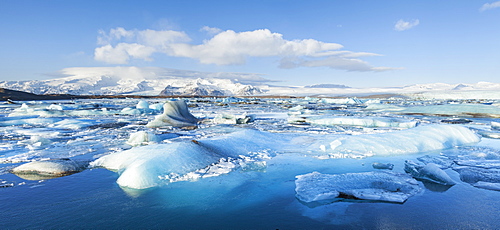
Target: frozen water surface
236,163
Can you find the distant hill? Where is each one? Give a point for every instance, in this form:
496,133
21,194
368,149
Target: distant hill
149,81
14,95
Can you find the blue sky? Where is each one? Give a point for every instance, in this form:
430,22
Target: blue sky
355,43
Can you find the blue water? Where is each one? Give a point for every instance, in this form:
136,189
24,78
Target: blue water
92,200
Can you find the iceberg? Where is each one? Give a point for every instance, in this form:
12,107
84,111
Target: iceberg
468,110
175,114
154,165
361,121
233,119
414,140
375,186
378,165
487,178
48,169
495,125
142,138
430,172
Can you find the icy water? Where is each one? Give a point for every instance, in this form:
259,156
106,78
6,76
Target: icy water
256,187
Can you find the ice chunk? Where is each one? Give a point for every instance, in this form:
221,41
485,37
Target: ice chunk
378,165
419,139
36,142
73,124
430,172
157,107
141,167
362,121
48,169
377,186
152,165
489,134
442,161
233,119
495,125
142,105
142,138
341,101
456,121
176,114
480,177
474,110
130,111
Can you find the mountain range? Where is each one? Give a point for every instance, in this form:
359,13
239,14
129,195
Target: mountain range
152,81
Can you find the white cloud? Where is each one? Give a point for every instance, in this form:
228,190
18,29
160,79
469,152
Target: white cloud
121,53
402,25
228,47
489,6
211,30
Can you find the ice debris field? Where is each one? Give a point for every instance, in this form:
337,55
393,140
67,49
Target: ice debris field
320,151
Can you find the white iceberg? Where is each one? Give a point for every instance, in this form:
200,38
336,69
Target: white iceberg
361,121
142,138
378,165
414,140
175,114
226,118
430,172
154,165
377,186
142,105
47,169
495,125
487,178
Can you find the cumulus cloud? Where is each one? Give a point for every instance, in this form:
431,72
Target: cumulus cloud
489,6
119,46
121,53
402,25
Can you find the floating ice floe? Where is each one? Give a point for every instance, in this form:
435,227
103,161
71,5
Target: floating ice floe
341,101
175,114
470,110
233,119
414,140
357,121
430,172
38,170
376,186
487,178
495,125
154,165
378,165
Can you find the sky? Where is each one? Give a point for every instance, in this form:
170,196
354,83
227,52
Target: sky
367,43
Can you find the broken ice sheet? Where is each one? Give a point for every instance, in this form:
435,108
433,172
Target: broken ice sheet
374,186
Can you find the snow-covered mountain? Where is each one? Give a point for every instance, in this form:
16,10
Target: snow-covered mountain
163,81
141,81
